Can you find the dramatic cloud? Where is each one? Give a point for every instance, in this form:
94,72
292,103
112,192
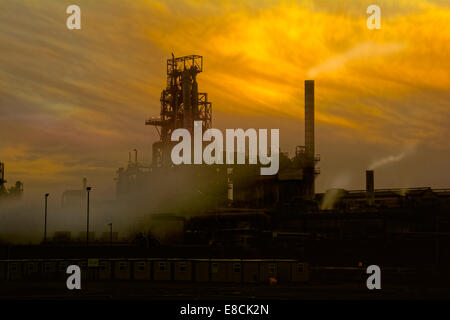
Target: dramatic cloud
73,103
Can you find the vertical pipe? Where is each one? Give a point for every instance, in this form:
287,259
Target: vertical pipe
186,87
156,154
88,189
309,119
309,170
370,193
194,102
2,174
45,219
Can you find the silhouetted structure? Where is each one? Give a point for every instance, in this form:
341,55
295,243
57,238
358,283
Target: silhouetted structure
240,226
222,185
279,215
181,105
13,192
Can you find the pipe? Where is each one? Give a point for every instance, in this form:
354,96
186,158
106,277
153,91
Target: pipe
187,99
370,188
309,169
309,119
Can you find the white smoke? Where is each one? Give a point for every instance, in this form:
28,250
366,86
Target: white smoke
332,195
365,50
392,158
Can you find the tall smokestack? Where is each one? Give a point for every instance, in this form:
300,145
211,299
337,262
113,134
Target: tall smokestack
2,174
309,170
370,192
309,118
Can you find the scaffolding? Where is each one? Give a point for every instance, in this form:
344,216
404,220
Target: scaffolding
181,105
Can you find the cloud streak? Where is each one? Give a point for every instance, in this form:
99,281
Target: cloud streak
82,97
362,51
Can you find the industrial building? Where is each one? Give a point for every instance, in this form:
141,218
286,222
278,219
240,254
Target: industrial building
14,192
233,205
234,225
214,186
161,269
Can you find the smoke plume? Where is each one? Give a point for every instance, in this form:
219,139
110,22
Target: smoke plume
392,158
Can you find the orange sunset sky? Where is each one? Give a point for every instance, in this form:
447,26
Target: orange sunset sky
73,103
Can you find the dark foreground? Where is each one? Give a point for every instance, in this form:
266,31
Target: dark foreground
139,290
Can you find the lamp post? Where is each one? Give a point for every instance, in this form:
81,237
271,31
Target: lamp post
110,234
45,219
88,189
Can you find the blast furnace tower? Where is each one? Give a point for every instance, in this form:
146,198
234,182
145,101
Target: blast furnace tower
181,105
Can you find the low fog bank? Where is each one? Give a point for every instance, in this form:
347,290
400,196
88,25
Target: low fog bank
22,221
180,193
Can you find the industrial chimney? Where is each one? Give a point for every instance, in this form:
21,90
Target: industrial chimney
370,192
309,119
2,175
309,170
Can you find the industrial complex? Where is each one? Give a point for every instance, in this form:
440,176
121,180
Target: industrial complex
231,224
11,192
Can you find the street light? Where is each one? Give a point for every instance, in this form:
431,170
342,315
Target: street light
45,220
88,189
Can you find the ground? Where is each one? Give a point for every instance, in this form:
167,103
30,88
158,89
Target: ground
138,290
